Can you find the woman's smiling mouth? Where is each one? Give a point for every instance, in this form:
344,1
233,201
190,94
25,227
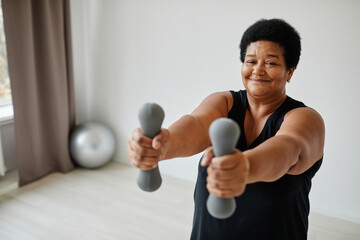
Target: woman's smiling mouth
259,80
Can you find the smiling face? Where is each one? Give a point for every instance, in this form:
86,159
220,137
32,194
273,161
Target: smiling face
264,71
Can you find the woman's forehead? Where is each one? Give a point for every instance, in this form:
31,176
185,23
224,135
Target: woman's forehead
268,48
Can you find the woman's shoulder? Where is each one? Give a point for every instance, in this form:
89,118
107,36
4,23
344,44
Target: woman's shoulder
303,112
298,108
293,103
215,104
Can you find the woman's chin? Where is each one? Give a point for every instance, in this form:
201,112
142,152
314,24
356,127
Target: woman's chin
258,91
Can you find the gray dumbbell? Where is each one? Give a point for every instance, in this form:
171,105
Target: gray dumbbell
151,117
224,134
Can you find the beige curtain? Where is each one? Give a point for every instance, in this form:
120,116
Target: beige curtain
40,66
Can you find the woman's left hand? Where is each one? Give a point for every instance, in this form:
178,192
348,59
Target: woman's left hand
227,175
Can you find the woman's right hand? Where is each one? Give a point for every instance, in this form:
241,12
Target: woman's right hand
144,152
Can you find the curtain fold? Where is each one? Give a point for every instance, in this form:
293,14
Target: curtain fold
38,38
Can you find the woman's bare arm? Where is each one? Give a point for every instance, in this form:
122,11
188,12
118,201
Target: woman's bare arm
190,134
295,148
186,137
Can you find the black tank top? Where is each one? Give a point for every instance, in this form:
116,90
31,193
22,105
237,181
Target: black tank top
266,210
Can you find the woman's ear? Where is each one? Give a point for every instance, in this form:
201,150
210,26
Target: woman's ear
290,73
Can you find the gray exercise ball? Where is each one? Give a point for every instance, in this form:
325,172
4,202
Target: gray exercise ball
92,144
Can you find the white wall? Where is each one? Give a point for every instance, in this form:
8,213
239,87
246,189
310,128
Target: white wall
176,52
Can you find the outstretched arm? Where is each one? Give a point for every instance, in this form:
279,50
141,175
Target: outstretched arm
186,137
190,134
297,145
294,149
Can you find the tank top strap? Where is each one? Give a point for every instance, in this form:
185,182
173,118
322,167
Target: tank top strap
276,119
237,113
272,125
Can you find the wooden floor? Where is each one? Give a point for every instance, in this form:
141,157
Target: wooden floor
107,204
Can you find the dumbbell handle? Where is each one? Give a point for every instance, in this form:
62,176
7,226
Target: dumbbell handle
150,117
224,134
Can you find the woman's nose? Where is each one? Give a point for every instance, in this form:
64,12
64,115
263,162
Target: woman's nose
258,69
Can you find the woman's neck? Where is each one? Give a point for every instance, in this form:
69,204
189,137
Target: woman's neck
260,107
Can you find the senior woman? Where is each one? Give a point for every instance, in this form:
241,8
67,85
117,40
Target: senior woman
277,155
